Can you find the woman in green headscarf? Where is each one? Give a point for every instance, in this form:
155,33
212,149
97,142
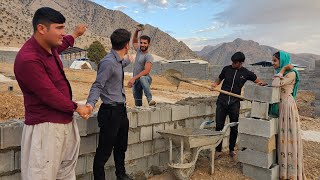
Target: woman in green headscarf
290,153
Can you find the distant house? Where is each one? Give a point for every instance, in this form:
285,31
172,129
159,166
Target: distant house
299,67
74,53
74,57
80,65
82,59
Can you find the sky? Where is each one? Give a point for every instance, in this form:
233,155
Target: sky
290,25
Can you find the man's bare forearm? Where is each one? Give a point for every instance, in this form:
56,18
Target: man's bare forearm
135,36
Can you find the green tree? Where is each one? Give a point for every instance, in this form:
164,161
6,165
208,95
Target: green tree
96,52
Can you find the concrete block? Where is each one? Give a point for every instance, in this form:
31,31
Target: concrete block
258,173
137,165
164,158
246,114
169,125
189,123
143,118
165,114
89,162
155,116
160,145
133,119
180,112
258,127
260,110
197,110
133,136
262,93
10,133
198,121
245,105
256,158
7,161
82,125
153,160
88,144
180,124
89,126
15,176
92,124
146,133
174,65
134,151
214,71
257,143
211,109
81,165
195,70
147,148
17,160
156,128
156,68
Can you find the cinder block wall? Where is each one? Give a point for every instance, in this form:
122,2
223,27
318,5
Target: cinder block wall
8,56
146,147
203,71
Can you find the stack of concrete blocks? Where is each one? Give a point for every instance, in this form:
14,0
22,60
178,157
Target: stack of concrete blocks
10,141
257,134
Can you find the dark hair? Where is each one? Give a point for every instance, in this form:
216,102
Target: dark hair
238,57
47,16
277,55
145,37
119,38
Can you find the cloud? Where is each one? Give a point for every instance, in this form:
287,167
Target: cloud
197,43
287,24
160,4
120,8
215,26
269,12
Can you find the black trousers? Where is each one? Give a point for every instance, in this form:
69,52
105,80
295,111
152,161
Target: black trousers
232,110
114,126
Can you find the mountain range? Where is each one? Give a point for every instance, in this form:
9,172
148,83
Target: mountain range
254,52
16,27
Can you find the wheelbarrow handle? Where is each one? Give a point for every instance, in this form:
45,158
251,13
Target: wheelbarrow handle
229,125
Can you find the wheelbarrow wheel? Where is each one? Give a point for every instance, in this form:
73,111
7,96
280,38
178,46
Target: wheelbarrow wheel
184,173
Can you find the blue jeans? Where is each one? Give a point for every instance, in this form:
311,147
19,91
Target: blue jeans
142,85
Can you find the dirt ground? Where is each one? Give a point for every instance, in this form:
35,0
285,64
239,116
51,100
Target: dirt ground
11,106
81,81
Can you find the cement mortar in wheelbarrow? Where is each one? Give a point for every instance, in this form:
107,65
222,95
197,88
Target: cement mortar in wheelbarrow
191,142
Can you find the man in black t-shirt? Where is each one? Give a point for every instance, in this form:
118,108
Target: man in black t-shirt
234,76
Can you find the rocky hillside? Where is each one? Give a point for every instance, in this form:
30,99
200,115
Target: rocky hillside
16,28
254,52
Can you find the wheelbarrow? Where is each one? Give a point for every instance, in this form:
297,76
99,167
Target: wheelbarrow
191,142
